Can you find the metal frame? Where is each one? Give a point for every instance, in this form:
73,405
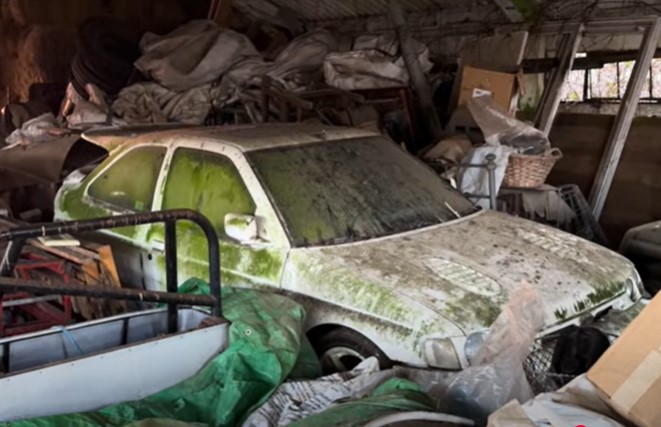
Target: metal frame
489,165
625,114
548,107
17,237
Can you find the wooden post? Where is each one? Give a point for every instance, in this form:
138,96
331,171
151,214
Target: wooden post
548,107
418,78
622,123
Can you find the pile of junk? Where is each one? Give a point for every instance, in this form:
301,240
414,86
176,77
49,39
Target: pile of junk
80,348
201,74
203,355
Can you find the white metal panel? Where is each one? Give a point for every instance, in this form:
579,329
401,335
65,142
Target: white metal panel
126,374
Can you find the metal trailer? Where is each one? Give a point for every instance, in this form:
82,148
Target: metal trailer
103,362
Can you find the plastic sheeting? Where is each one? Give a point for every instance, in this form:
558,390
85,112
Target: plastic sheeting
475,180
193,55
34,131
373,63
496,375
298,400
265,339
200,65
149,102
499,127
578,403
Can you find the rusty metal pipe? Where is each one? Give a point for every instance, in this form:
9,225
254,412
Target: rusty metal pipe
19,235
78,289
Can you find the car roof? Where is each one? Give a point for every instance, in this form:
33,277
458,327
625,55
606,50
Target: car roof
243,137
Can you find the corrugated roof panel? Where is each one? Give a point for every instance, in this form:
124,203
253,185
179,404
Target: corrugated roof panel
327,10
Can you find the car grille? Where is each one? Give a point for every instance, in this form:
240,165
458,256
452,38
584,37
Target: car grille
537,367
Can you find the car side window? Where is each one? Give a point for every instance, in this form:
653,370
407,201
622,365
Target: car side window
130,181
208,183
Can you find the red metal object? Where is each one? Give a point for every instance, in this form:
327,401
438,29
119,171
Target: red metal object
29,314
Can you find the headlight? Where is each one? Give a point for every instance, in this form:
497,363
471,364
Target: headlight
441,353
473,345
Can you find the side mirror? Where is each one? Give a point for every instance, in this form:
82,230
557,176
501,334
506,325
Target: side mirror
242,228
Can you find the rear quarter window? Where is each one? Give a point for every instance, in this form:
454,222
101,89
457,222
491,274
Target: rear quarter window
129,182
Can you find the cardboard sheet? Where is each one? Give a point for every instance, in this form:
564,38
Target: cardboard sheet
501,86
629,373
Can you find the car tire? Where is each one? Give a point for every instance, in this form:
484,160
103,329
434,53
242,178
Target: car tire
341,350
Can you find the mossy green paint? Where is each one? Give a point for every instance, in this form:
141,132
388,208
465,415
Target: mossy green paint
75,205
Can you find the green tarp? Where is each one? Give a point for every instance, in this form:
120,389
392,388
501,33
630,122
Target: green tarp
265,339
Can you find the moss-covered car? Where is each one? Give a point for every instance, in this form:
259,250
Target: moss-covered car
386,257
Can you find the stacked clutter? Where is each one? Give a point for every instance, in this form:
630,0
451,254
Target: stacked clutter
199,69
620,390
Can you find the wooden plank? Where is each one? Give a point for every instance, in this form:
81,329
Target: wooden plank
60,252
634,195
548,107
622,125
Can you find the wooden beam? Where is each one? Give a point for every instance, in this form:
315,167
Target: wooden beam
550,102
622,123
420,83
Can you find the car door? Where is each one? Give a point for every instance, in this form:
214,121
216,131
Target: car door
125,183
210,183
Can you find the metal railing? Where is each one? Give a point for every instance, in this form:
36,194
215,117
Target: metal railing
18,236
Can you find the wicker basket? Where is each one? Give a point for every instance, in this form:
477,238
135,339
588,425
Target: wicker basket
529,171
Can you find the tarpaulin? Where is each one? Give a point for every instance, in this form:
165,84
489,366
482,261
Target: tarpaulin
296,401
265,339
395,395
193,55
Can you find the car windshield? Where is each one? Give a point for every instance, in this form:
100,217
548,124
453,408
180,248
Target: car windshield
355,189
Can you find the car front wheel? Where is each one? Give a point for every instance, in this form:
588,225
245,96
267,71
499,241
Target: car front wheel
341,350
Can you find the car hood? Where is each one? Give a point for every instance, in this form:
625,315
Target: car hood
467,269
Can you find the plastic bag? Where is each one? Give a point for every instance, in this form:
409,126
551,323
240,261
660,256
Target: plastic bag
497,376
475,181
499,127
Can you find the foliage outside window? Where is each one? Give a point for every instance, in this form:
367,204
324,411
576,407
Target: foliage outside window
129,183
609,83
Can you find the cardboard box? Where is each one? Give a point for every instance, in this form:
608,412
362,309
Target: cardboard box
502,87
629,373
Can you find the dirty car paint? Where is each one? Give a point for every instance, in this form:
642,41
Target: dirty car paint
465,270
444,280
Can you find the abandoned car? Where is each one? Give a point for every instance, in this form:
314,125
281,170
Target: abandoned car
387,258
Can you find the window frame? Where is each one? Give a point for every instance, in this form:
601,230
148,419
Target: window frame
112,207
171,158
647,98
267,217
